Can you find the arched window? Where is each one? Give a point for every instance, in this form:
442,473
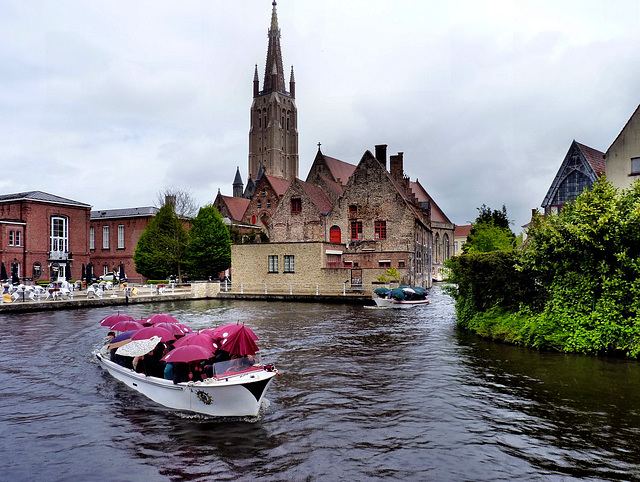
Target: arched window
438,247
335,235
445,247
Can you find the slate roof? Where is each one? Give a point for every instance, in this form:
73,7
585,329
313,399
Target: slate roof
41,197
140,212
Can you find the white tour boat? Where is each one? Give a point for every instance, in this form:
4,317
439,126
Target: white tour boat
393,303
401,297
227,394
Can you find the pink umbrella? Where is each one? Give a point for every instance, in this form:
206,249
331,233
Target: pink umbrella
149,331
126,325
113,319
161,318
225,331
172,327
240,343
200,339
188,353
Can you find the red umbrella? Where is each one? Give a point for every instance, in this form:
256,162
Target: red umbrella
240,343
172,327
188,353
161,318
149,331
113,319
200,339
126,325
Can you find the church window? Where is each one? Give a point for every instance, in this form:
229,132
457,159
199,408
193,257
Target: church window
260,122
356,230
296,205
264,192
635,165
571,188
259,204
268,203
287,124
380,229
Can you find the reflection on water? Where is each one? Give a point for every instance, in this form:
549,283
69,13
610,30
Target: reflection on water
364,394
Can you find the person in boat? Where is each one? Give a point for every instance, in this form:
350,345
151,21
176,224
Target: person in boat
104,351
151,364
180,372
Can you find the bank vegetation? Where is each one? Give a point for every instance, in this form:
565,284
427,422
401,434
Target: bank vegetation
573,287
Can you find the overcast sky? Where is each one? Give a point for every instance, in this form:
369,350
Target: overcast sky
108,102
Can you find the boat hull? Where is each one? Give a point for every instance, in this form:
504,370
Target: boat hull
236,396
392,303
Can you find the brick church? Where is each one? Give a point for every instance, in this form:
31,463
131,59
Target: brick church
346,221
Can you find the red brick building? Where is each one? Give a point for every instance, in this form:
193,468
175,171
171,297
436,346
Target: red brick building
113,236
43,236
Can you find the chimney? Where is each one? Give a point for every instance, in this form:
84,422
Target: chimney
170,200
381,154
396,166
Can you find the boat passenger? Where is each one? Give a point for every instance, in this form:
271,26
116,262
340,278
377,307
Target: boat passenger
104,351
180,372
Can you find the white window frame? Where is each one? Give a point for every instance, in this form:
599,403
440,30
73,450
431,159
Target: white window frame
288,264
18,238
92,238
59,237
272,261
105,237
11,240
120,236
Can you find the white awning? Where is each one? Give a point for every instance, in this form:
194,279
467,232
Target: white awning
384,261
333,251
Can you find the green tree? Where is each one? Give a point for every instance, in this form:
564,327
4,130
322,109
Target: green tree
209,250
161,247
490,232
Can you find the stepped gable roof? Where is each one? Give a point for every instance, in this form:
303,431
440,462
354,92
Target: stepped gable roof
462,230
594,157
278,184
41,197
317,195
340,170
422,195
124,213
237,206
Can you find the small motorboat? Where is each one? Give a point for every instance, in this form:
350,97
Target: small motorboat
401,297
229,393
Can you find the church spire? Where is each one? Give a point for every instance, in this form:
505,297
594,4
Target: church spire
274,58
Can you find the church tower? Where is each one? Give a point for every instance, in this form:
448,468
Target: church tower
273,136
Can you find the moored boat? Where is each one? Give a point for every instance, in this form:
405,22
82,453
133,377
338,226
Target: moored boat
401,297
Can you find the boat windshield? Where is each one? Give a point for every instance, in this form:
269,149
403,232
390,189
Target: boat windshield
226,368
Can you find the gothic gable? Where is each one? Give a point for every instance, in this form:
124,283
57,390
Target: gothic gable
577,173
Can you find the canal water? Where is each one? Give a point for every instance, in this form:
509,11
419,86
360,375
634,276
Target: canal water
365,394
